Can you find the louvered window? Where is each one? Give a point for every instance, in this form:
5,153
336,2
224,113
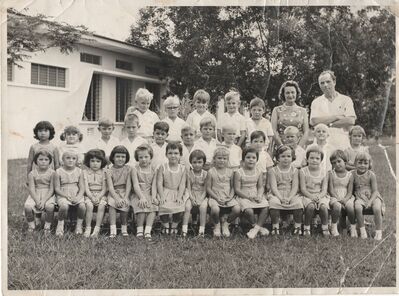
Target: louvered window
151,71
9,71
92,107
90,58
47,75
124,65
123,97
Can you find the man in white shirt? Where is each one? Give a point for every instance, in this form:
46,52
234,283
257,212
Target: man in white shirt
333,109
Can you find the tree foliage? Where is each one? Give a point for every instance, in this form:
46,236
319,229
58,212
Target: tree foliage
255,49
32,33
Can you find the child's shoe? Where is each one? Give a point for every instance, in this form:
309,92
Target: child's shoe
47,232
173,231
31,226
363,233
353,231
334,230
297,231
225,229
59,231
216,230
140,234
112,231
275,231
87,232
326,232
306,232
95,233
201,234
264,231
148,237
378,235
251,234
78,230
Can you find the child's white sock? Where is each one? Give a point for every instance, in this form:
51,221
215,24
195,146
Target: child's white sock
363,233
174,225
334,226
79,223
165,225
378,232
276,226
306,227
38,220
113,229
297,225
60,224
47,225
96,230
140,229
32,225
147,229
353,227
201,229
124,228
324,227
184,228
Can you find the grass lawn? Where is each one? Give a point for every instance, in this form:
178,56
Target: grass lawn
38,262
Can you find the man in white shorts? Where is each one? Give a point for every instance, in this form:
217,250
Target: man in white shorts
333,109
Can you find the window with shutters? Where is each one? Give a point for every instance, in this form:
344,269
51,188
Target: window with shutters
90,58
123,97
124,65
153,71
92,107
47,75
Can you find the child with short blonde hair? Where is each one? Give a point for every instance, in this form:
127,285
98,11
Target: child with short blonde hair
321,133
366,194
133,140
201,101
257,122
69,189
291,139
357,135
220,188
106,141
172,105
232,99
147,118
228,133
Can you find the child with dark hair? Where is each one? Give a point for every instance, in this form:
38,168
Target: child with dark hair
41,191
196,190
119,187
95,189
73,138
161,130
43,132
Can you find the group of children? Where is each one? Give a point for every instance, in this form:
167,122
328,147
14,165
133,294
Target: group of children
172,168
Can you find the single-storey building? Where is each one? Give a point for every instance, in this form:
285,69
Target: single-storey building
99,79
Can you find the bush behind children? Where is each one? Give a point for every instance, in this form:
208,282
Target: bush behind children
177,169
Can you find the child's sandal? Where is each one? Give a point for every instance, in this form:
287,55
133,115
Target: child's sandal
275,231
297,231
165,230
173,231
147,236
140,234
326,232
306,232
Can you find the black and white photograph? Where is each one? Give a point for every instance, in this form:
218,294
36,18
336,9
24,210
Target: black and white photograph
198,148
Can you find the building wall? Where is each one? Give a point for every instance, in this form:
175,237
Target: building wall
26,104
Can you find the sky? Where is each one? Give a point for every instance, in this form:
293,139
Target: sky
110,18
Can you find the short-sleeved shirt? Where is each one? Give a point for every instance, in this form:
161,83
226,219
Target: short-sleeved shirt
341,105
264,161
237,120
300,157
147,121
235,155
207,148
175,128
159,155
264,125
194,119
131,146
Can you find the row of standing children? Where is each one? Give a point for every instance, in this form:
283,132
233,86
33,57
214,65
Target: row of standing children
205,143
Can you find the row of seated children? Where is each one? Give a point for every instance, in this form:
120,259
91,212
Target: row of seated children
172,189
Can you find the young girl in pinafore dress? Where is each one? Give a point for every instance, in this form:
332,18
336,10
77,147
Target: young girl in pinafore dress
249,188
119,187
196,190
171,186
340,187
314,184
284,183
367,195
95,189
220,188
41,189
144,182
69,188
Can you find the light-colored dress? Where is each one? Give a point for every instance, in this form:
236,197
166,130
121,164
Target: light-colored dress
314,185
284,181
50,147
69,184
145,179
351,153
171,182
221,186
362,187
96,182
249,186
119,177
42,186
197,183
340,185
